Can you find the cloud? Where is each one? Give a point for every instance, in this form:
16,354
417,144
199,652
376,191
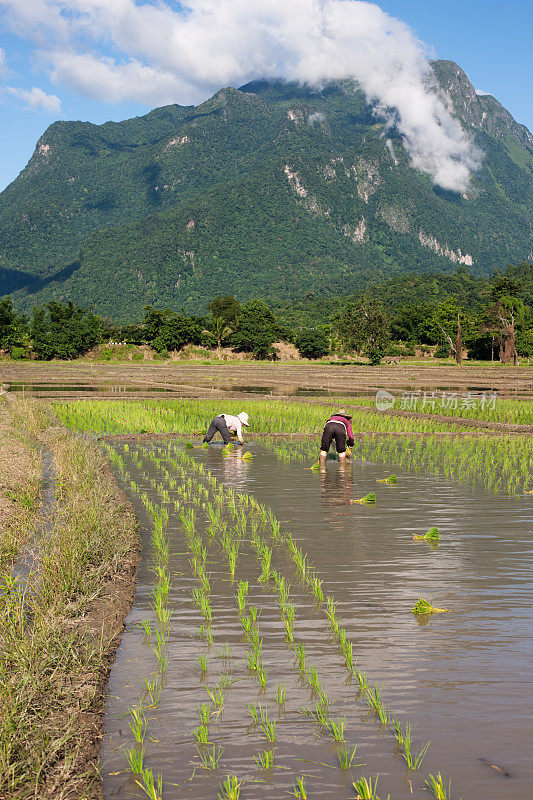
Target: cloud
317,117
3,61
36,99
184,52
106,80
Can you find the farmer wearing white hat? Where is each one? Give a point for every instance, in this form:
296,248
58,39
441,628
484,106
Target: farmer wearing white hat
226,424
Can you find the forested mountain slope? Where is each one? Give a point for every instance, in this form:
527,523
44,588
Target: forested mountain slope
273,190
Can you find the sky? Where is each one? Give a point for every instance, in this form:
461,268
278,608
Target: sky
99,60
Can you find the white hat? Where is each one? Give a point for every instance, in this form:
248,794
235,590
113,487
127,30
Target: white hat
243,416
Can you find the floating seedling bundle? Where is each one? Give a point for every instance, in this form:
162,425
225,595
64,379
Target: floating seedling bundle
432,535
424,607
367,500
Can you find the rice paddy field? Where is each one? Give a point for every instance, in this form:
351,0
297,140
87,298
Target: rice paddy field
357,630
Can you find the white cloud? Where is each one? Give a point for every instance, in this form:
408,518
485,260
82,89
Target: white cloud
106,80
36,99
3,61
162,54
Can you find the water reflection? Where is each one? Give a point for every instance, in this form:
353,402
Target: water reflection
336,487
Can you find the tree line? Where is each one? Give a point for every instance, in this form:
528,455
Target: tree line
490,319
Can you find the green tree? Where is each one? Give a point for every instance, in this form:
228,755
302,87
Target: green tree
225,312
63,330
363,326
313,343
13,326
255,329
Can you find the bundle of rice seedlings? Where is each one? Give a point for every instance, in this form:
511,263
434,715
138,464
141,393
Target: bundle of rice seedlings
432,535
392,479
247,456
368,499
424,607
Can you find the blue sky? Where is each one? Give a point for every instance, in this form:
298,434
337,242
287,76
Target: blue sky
57,66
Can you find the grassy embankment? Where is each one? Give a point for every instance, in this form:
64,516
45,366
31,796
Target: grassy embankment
57,638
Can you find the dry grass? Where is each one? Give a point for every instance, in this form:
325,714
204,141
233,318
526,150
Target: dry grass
56,643
20,472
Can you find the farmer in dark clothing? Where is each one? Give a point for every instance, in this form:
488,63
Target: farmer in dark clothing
338,428
226,424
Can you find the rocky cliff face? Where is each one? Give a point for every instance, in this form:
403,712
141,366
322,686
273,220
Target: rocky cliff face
482,112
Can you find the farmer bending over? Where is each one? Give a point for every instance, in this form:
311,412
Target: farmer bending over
338,428
226,425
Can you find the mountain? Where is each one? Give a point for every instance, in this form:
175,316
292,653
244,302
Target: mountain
271,190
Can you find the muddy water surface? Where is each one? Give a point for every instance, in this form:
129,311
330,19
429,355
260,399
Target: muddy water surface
465,678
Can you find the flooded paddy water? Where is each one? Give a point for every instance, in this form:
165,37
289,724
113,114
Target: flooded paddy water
464,678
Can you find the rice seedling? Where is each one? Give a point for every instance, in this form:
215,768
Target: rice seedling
137,723
316,588
205,713
413,761
253,660
347,652
398,732
315,467
312,679
438,787
424,607
152,690
288,621
225,653
300,658
230,789
135,759
431,536
217,697
232,556
373,698
254,712
152,787
262,676
188,446
266,558
366,788
346,756
265,759
145,625
298,789
201,734
392,480
281,694
318,714
210,758
336,729
268,727
247,456
368,499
